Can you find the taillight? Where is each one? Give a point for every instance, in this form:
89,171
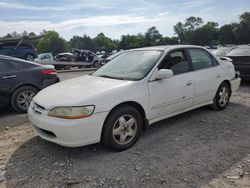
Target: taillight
48,71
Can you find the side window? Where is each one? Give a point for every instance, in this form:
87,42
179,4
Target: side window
176,61
47,56
11,65
200,59
24,46
9,45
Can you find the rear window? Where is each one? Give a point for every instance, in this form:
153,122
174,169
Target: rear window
239,52
12,65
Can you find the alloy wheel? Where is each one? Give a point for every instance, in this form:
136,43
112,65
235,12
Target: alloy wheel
124,129
24,99
223,96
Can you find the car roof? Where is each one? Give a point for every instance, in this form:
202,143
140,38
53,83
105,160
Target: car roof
167,47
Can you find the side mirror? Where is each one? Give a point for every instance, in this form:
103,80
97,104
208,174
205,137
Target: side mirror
163,74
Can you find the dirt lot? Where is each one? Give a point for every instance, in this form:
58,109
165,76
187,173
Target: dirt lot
201,148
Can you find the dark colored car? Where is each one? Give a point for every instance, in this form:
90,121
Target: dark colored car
19,50
241,61
20,80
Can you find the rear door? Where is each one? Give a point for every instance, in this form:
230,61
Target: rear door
8,81
14,74
207,75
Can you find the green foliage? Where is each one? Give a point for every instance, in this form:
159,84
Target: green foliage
104,43
131,41
152,37
84,42
51,42
227,34
194,31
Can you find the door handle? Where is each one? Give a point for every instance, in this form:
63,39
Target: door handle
9,76
218,76
189,83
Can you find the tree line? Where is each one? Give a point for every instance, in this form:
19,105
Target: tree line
192,31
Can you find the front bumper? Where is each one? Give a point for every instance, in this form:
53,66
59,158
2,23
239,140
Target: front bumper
66,132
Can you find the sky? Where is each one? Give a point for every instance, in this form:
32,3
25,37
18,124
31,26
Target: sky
112,17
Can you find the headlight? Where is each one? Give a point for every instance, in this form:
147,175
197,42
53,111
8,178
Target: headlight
72,112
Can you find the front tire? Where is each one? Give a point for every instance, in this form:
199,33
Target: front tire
122,129
22,97
222,97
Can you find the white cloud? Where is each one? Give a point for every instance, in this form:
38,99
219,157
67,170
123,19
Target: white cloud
69,7
195,3
98,21
163,14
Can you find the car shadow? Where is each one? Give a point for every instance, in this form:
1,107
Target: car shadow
188,150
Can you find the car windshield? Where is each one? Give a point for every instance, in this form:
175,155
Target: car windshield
131,65
240,52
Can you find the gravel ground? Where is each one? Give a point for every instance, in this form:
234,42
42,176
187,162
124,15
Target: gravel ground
201,148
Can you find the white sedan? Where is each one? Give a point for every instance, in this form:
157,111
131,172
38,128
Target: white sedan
134,90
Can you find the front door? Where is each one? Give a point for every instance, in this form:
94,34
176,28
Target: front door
173,94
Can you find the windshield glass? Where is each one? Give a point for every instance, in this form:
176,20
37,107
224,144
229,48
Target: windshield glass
240,52
131,65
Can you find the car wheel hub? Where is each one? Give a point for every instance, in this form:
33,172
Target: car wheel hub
223,96
124,129
25,98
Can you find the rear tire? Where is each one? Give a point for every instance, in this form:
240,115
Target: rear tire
29,57
22,97
122,129
222,97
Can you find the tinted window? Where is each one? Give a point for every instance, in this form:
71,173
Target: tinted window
9,45
46,56
24,46
176,61
200,59
10,65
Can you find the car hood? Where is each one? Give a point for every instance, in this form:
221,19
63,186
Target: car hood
77,91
